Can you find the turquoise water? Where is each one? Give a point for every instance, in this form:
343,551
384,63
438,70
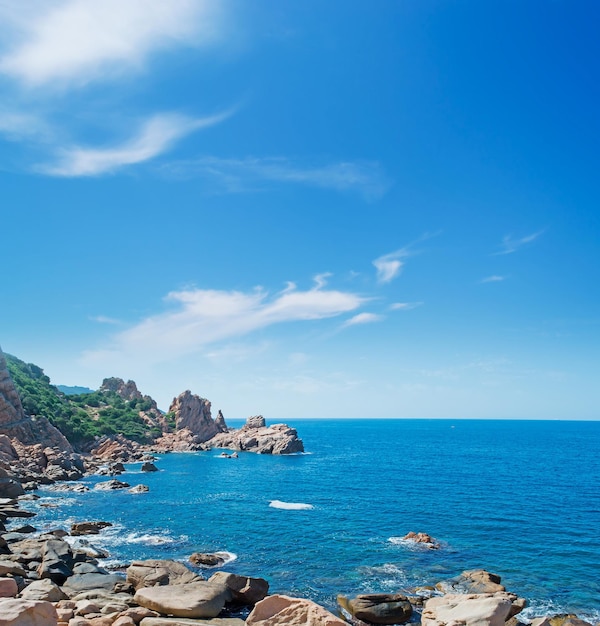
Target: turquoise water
519,498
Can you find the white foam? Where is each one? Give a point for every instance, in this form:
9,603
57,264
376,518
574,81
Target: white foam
290,506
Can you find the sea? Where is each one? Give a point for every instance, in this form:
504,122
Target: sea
520,499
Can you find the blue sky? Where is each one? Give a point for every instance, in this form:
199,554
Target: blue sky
306,209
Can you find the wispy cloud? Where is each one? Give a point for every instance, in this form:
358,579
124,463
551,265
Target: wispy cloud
71,43
103,319
404,306
511,244
251,174
493,279
56,56
156,135
390,265
363,318
203,317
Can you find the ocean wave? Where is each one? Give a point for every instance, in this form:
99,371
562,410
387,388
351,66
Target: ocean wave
548,608
387,576
290,506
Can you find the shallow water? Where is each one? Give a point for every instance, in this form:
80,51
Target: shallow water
519,498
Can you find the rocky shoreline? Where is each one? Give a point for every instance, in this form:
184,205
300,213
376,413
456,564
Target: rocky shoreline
55,579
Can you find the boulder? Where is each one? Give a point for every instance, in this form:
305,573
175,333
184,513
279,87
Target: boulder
422,539
111,484
204,559
12,568
182,621
139,489
244,590
88,528
378,608
471,581
18,612
93,581
57,561
485,609
148,466
43,589
8,588
160,572
283,610
196,600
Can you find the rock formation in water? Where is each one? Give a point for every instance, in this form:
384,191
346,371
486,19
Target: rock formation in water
194,424
256,436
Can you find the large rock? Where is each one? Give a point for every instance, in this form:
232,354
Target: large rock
255,436
159,572
244,590
96,582
486,609
184,621
88,528
192,413
282,610
43,589
472,581
378,608
197,600
8,588
17,612
57,561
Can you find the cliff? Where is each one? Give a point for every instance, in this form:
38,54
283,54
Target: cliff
31,448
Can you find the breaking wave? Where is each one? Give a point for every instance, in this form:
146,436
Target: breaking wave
290,506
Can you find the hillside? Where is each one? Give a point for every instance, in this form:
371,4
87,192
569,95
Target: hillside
82,417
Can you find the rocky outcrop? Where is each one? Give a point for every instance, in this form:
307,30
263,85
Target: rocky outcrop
193,413
31,449
127,390
423,539
194,425
256,436
149,410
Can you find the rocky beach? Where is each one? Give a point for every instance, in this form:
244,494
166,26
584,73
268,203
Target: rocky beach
55,576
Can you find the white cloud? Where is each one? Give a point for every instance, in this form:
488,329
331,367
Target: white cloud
493,279
363,318
237,175
155,136
390,265
404,306
203,317
74,42
511,244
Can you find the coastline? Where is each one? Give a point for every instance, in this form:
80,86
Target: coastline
133,474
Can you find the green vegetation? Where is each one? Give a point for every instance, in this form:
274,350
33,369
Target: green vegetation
81,417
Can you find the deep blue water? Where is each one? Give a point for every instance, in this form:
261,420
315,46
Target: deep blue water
519,498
